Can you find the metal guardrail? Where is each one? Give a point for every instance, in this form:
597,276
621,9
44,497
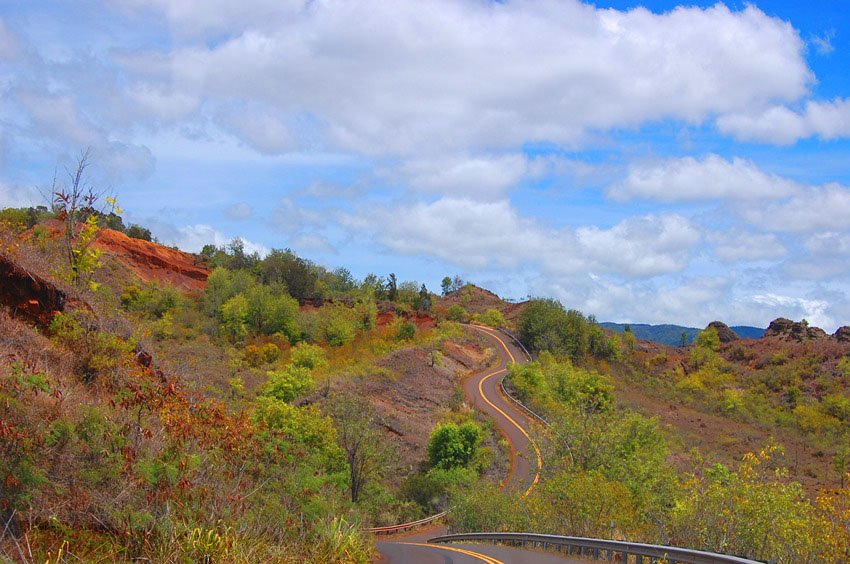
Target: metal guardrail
522,406
516,340
405,526
509,395
610,550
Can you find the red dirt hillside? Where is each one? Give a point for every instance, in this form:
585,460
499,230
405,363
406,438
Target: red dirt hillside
152,262
477,300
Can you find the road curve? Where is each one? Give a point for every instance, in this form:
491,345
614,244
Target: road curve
484,392
422,553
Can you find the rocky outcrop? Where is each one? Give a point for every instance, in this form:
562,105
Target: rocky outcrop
725,334
28,295
842,334
794,330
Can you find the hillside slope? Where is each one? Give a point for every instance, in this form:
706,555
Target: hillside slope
668,334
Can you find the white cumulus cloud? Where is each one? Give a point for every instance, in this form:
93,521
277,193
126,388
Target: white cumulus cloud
712,177
411,78
783,126
471,176
819,208
738,245
476,234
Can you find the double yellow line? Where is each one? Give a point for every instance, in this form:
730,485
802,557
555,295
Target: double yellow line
508,417
482,557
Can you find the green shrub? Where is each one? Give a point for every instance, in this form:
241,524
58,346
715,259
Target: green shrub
493,318
310,356
406,331
286,385
452,445
457,313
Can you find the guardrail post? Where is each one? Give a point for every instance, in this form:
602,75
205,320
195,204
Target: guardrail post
596,554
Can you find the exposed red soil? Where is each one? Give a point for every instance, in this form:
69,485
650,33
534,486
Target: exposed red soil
477,300
423,321
409,403
27,294
152,262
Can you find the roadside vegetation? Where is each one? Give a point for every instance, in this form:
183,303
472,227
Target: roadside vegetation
607,470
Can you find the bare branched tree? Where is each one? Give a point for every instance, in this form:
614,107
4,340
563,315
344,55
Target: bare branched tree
362,444
74,201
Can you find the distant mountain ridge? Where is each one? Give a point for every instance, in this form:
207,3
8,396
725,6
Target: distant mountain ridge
672,334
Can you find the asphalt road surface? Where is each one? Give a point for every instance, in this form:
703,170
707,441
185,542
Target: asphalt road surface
421,553
483,390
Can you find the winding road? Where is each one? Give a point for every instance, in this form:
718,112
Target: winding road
483,391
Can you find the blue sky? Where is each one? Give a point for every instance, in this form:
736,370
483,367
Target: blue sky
640,161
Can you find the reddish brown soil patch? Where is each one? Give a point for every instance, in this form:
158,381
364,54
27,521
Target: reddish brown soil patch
385,319
410,401
152,262
423,321
477,300
28,295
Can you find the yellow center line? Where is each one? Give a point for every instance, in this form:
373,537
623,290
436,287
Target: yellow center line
508,417
483,557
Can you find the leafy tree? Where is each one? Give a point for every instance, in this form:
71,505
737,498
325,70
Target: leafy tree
446,285
73,202
234,317
392,287
424,299
340,281
237,258
546,325
139,232
222,284
16,219
708,339
754,512
408,293
152,300
271,310
452,445
338,326
298,275
528,381
365,313
374,286
585,504
86,259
